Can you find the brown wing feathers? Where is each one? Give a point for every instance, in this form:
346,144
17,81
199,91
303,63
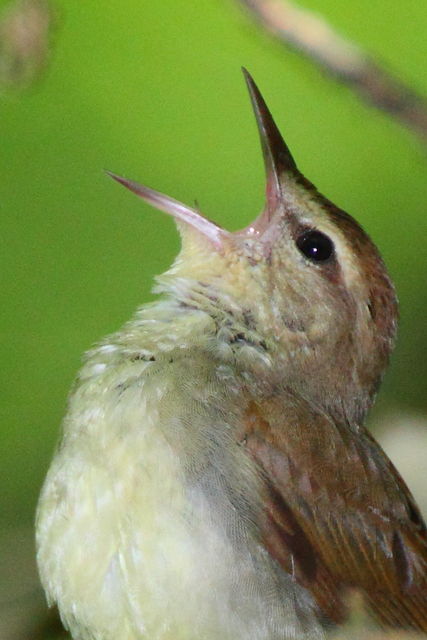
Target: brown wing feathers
337,531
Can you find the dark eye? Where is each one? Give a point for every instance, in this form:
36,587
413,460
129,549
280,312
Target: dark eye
315,246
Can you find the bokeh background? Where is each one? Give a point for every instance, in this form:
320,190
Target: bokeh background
153,90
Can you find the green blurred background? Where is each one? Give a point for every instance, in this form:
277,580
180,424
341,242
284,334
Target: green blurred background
154,91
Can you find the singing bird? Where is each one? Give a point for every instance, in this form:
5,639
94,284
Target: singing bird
215,480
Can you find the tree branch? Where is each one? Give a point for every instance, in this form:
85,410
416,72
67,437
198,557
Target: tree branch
311,35
25,33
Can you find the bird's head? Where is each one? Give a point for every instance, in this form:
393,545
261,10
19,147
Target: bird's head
303,282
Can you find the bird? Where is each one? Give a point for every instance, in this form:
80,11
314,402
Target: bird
214,479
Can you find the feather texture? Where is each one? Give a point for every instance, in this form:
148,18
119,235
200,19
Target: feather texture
338,516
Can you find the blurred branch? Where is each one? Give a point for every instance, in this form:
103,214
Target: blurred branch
311,35
25,30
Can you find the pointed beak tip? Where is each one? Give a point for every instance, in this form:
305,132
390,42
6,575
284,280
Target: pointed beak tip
277,157
139,189
246,74
115,177
251,85
179,211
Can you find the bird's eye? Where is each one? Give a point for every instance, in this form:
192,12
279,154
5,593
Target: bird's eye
315,246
